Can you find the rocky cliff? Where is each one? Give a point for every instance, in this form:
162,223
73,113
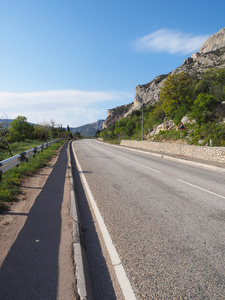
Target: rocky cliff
214,42
210,55
115,114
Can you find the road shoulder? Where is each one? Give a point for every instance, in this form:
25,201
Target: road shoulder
12,222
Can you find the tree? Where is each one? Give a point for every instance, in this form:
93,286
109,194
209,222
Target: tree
176,95
47,130
98,133
40,132
4,133
20,129
54,129
156,116
104,134
203,107
213,83
77,135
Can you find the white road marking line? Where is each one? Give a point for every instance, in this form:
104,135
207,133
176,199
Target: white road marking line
176,159
201,188
141,165
117,264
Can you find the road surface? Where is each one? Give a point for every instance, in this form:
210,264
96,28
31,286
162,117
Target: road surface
166,220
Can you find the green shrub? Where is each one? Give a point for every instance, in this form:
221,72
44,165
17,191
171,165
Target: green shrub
207,132
172,134
10,184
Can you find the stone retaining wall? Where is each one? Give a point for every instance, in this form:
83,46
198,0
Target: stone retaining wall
203,152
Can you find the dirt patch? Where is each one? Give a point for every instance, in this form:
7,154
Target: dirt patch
13,219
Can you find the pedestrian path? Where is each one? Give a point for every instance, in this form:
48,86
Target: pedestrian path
31,268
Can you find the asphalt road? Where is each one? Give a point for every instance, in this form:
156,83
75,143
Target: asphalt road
166,220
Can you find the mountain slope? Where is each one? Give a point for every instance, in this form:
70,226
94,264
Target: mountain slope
210,55
88,130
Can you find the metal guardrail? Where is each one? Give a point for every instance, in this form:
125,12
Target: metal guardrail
11,162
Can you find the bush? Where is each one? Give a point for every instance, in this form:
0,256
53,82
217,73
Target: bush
207,132
203,107
9,186
172,134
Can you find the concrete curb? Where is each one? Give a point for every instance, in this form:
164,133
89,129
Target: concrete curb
84,286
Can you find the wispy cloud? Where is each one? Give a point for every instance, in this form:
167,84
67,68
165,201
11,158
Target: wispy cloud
71,107
170,41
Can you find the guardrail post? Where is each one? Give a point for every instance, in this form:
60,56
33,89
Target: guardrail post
23,157
34,151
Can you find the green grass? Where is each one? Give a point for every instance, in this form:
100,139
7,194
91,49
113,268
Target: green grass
117,142
10,184
19,147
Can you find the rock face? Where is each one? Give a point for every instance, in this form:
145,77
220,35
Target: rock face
164,126
210,55
148,94
115,114
214,42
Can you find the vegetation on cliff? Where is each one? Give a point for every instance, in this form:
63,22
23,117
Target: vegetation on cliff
200,98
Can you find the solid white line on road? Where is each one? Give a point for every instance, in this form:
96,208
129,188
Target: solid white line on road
186,161
141,165
117,264
201,188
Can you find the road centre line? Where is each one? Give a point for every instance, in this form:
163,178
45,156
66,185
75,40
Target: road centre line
140,164
114,256
201,188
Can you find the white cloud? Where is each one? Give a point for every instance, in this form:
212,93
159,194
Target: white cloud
170,41
67,107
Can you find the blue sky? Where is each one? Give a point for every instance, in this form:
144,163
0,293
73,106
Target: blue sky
69,60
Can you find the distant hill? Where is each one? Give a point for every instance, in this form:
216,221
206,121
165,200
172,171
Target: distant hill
88,130
10,120
6,120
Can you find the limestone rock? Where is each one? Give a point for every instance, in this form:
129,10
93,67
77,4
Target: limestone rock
162,127
200,142
115,114
147,94
214,42
210,55
186,120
